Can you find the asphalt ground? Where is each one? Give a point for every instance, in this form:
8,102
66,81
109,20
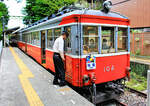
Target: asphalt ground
23,82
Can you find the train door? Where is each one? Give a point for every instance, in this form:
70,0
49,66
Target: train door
43,47
67,45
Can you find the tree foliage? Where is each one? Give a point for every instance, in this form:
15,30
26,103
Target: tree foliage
3,12
38,9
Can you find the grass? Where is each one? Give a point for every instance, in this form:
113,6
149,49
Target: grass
137,82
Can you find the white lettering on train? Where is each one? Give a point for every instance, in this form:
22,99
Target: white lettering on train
109,68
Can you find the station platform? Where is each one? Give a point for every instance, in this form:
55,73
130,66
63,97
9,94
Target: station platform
140,60
23,82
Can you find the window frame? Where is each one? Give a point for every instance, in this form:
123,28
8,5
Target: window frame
116,28
114,43
66,41
55,37
82,39
52,32
127,39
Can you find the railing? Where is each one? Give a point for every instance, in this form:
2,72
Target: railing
140,44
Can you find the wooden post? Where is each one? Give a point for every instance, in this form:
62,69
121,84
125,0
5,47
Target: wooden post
142,51
133,40
148,87
92,4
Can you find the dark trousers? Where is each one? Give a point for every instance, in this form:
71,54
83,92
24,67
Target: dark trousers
59,68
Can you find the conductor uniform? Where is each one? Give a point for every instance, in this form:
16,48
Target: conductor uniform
58,58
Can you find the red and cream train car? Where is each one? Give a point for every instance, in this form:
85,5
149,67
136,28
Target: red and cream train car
97,50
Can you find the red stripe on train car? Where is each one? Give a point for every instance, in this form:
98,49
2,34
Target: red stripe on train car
94,19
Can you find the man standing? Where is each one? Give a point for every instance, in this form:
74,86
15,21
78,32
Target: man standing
59,59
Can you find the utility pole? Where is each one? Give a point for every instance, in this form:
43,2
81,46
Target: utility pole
3,30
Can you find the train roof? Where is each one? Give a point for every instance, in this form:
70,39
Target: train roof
56,18
97,13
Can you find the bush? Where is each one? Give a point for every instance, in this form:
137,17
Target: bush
139,69
137,82
138,52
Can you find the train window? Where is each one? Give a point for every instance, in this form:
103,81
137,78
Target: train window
108,40
68,41
50,38
23,37
29,37
122,39
33,35
35,38
90,39
57,33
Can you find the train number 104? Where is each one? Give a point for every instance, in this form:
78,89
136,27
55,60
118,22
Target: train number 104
109,68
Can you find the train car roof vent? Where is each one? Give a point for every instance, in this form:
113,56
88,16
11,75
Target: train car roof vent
107,5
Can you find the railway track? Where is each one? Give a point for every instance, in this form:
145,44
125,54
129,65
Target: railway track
131,97
113,102
144,95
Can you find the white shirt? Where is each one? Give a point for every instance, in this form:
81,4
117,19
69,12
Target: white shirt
58,46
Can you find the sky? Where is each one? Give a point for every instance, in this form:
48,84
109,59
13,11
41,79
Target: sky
15,9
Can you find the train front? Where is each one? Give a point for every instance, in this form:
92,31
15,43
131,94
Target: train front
100,47
106,53
103,48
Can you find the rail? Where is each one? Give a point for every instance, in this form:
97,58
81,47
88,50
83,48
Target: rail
137,92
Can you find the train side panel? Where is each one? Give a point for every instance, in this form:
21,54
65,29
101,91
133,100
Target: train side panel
33,51
108,68
21,45
49,60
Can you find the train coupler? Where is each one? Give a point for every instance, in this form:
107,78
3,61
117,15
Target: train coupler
92,77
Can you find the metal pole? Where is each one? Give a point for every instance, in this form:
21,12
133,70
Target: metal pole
92,4
148,87
3,29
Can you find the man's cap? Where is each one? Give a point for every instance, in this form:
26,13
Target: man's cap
104,40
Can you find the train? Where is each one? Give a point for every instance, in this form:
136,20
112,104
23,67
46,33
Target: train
96,52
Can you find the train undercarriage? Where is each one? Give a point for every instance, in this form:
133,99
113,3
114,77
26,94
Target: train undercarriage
103,92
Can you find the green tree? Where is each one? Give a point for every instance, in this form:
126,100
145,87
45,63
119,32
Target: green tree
38,9
3,12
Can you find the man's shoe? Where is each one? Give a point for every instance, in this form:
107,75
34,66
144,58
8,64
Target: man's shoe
55,83
62,84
